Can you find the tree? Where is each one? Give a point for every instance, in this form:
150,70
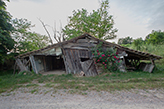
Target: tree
138,43
25,40
98,23
156,37
126,40
6,42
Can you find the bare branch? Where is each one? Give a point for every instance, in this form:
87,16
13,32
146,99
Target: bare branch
58,35
63,37
60,26
46,30
55,35
61,32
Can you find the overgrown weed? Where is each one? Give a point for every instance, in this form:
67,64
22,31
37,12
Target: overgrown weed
104,82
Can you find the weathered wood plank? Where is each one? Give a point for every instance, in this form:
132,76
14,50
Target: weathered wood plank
146,67
44,63
149,68
32,60
21,66
82,41
73,60
84,54
77,61
84,45
89,68
68,61
64,59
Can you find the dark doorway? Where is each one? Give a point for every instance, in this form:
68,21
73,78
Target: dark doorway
58,63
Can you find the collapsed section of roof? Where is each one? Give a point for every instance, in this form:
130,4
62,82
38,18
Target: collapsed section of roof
75,56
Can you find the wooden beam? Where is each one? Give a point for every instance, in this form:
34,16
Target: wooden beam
152,61
27,62
32,60
21,66
64,59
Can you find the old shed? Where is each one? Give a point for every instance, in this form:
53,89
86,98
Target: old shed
75,56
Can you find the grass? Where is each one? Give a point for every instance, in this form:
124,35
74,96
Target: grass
10,81
105,81
34,91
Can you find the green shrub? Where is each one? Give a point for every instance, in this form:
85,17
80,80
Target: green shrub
109,58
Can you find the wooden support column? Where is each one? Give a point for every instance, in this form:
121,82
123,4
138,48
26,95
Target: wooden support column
32,60
44,61
152,61
124,61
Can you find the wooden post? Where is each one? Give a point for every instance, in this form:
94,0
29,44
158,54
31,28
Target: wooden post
32,60
124,61
152,61
44,64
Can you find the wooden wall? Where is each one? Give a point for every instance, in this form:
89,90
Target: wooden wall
80,60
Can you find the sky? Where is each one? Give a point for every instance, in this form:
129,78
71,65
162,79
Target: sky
134,18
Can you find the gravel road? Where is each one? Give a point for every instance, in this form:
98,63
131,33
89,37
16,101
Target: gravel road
47,98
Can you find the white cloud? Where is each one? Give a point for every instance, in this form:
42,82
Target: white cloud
141,10
49,11
132,18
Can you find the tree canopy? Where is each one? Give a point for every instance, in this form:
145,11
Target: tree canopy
156,37
126,40
25,40
98,23
6,42
138,43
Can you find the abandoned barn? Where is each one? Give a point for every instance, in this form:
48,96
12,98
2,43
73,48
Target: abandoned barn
75,56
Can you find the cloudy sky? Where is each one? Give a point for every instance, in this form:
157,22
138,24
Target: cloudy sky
134,18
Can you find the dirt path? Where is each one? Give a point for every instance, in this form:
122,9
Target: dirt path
45,98
57,72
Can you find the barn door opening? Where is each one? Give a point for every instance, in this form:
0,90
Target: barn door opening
58,63
49,63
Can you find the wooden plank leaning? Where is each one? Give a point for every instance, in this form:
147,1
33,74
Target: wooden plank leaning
32,60
21,66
